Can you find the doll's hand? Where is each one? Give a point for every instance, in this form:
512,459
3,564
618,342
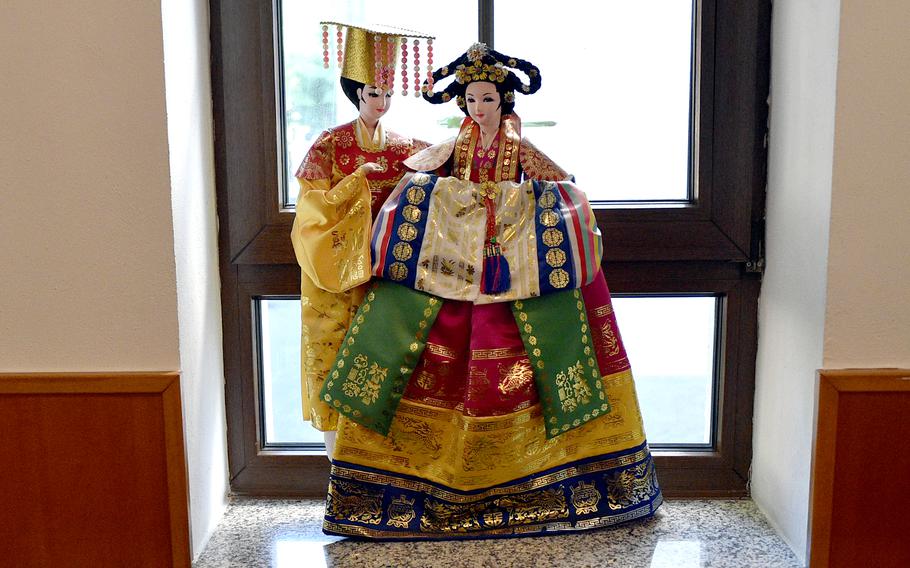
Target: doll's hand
369,168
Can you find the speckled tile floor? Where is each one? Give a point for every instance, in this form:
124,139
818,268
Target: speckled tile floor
282,533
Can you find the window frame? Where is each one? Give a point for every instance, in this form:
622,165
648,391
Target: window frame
712,245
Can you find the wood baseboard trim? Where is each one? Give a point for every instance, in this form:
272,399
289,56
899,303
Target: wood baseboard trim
35,385
833,387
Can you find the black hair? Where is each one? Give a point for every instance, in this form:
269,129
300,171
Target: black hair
480,63
350,86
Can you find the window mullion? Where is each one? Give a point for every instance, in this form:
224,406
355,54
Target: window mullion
485,22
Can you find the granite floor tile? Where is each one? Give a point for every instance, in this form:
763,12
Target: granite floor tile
280,533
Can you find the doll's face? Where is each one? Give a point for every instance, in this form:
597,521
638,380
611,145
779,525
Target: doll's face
374,103
484,104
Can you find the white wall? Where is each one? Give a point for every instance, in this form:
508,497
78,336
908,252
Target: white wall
86,248
835,292
868,317
792,304
189,122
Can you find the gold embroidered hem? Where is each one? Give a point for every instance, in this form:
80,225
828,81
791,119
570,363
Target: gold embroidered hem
580,495
446,446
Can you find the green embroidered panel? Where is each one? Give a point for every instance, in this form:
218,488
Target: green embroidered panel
379,354
555,331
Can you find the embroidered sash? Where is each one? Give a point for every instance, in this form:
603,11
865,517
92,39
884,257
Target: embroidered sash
557,338
379,354
388,335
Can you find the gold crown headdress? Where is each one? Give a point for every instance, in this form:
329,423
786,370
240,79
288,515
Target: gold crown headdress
480,63
367,54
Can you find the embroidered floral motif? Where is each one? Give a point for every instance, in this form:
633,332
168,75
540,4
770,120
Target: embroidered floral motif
573,388
609,342
516,376
538,165
344,138
364,380
318,162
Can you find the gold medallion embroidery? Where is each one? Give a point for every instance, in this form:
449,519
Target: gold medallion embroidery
411,213
407,232
556,257
559,278
552,237
402,251
398,271
547,199
549,218
416,195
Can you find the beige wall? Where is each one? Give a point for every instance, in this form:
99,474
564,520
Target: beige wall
868,316
86,244
87,237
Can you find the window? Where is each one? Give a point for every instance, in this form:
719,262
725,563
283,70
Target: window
679,93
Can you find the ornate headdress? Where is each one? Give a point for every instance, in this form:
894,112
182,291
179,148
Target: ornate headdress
367,54
480,63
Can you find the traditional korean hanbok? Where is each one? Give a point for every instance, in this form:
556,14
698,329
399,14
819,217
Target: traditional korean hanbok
335,208
483,388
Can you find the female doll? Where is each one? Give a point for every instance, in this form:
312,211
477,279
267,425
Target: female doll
483,386
344,178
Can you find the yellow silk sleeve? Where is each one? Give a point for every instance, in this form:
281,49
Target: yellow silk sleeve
331,232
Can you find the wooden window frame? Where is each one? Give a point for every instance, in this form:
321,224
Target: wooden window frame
712,245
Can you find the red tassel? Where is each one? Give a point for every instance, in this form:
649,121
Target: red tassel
496,277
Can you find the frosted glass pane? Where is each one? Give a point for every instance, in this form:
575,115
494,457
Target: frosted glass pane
613,108
670,343
669,340
280,374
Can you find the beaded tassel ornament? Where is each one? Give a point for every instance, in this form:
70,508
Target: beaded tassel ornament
381,54
496,277
404,66
339,37
325,46
430,65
